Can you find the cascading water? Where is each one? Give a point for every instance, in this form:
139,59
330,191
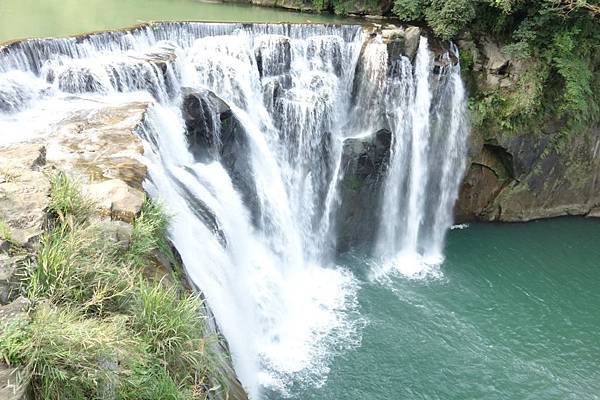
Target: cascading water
426,114
254,201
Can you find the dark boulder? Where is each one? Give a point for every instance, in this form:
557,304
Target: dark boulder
214,133
364,166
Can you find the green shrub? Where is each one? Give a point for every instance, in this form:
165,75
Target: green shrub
100,329
15,341
173,327
556,42
448,17
69,356
409,10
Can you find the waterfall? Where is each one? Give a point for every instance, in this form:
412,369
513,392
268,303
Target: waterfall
427,117
244,143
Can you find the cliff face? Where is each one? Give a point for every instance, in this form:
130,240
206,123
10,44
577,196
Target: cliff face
530,173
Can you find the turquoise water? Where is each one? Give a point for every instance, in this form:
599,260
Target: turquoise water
514,314
41,18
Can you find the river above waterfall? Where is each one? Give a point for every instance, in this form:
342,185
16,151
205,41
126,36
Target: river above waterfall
20,19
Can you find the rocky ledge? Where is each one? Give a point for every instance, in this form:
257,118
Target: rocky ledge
99,149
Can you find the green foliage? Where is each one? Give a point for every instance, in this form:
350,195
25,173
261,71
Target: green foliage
77,264
577,76
67,199
99,328
410,10
448,17
556,41
319,5
5,233
173,327
15,341
149,234
68,355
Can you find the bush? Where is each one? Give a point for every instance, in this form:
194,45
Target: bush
448,17
174,329
557,41
78,265
69,356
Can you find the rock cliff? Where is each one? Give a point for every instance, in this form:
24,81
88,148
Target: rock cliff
528,173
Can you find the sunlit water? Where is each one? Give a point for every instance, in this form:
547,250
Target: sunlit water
41,18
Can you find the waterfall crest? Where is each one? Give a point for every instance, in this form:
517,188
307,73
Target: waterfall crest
246,143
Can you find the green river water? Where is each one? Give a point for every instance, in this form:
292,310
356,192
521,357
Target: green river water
513,313
41,18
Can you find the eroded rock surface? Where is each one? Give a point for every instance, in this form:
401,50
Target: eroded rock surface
364,162
100,144
24,191
530,176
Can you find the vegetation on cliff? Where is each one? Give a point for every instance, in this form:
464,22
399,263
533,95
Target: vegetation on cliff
554,42
101,325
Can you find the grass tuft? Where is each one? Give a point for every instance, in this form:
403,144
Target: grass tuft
77,265
5,233
149,234
66,199
172,326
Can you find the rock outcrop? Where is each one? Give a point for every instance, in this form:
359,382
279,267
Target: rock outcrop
535,172
13,381
529,176
364,162
100,149
214,133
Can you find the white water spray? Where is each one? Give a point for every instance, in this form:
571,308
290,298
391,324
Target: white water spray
265,266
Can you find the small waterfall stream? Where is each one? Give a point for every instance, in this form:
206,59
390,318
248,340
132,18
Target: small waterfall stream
427,117
254,214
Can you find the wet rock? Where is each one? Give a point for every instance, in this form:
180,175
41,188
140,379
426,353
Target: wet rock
273,55
401,42
116,199
203,112
149,71
215,133
364,165
24,192
101,143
